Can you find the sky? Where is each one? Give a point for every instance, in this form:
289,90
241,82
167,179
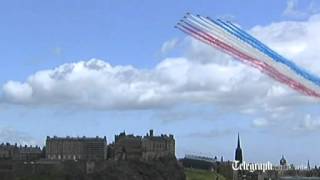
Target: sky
88,68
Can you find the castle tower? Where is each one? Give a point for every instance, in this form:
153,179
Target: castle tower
238,154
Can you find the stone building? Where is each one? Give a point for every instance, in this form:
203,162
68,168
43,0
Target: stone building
283,162
127,147
149,147
76,148
155,147
6,151
23,153
28,153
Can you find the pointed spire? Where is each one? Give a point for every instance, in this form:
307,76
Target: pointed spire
238,146
238,154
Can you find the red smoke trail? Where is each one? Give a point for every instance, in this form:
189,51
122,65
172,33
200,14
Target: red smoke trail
212,41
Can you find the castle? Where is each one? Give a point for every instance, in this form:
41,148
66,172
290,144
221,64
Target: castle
23,153
125,147
79,148
149,147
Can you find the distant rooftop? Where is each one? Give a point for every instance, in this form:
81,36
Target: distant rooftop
76,138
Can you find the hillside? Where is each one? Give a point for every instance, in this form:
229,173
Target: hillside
196,174
105,170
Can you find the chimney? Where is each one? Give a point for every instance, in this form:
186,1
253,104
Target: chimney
151,132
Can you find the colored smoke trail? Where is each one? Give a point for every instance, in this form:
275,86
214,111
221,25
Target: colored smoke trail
235,42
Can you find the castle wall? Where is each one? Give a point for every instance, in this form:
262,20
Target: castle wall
128,147
155,147
76,148
14,152
149,147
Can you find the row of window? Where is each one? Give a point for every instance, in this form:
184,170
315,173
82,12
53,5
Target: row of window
71,157
159,146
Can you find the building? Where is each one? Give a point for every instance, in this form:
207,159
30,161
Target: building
30,153
76,148
283,161
155,147
23,153
283,164
6,151
127,147
149,147
238,154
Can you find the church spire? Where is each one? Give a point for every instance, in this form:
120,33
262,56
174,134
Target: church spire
238,146
238,154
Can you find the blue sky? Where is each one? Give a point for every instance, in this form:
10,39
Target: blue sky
37,35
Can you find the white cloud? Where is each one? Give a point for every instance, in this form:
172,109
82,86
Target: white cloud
294,11
260,122
309,123
97,84
217,133
18,92
169,46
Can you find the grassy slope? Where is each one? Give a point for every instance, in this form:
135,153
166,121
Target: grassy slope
195,174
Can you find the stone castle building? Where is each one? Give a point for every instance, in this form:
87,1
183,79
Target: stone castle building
155,147
125,147
149,147
23,153
76,148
